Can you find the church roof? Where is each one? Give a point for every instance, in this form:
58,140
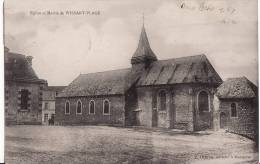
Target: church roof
239,87
143,51
17,68
191,69
100,83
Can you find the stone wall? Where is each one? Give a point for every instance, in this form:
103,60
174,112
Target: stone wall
145,106
178,113
181,107
116,116
246,121
216,114
184,106
131,108
13,112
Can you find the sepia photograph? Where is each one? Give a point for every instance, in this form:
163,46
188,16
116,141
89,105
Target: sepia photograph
131,82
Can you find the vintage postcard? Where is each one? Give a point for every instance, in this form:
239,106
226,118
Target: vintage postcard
133,81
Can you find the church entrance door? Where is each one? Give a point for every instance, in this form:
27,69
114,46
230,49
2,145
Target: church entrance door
154,117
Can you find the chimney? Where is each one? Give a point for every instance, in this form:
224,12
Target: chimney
29,60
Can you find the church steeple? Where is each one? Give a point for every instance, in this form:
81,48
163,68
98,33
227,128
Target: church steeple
143,53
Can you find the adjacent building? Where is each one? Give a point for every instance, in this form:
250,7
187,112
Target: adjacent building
48,103
238,106
23,90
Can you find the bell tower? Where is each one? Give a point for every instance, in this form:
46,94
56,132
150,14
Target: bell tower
143,54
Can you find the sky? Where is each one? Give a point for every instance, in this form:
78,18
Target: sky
106,35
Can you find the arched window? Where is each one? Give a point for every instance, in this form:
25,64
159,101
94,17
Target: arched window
162,100
203,101
106,107
79,107
233,110
67,107
92,107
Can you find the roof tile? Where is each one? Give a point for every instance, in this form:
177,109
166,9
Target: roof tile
17,68
239,87
191,69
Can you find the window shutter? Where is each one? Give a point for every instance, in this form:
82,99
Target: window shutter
19,100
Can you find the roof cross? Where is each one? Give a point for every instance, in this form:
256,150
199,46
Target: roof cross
143,19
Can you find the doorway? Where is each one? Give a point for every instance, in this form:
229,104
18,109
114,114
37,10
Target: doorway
223,120
154,118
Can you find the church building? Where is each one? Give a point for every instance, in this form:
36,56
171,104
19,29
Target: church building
174,93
